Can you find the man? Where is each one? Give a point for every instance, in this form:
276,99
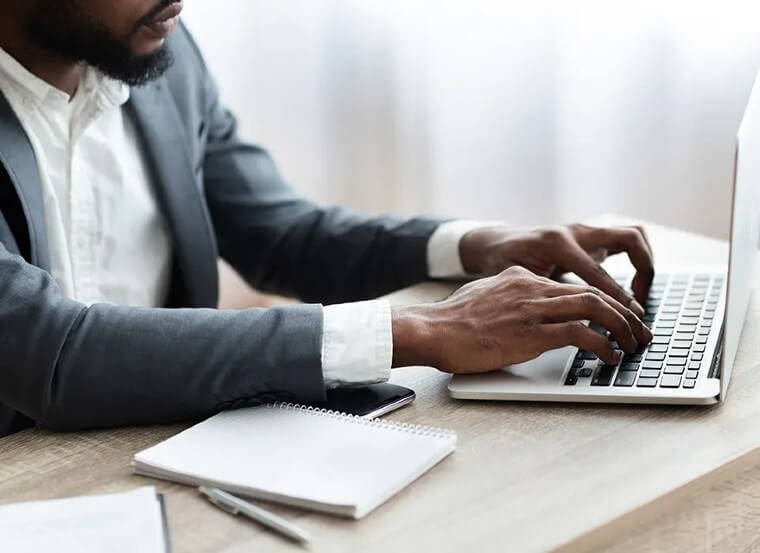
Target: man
122,180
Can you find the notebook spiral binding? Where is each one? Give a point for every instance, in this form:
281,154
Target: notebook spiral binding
418,429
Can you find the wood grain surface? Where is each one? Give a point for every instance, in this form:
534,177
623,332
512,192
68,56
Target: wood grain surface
525,476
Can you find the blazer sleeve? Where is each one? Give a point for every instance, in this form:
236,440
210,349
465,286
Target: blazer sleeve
71,367
280,242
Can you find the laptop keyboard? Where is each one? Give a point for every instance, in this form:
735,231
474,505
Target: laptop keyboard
680,311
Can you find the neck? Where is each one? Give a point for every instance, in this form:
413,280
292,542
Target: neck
61,73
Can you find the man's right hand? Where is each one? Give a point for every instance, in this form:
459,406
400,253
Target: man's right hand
511,318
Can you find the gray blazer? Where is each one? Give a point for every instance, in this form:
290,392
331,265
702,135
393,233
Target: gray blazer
68,366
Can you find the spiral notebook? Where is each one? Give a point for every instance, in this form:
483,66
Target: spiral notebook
300,456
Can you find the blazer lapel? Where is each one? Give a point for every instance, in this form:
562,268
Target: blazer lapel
17,156
164,144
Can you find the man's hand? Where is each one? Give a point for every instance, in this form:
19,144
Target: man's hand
552,251
510,318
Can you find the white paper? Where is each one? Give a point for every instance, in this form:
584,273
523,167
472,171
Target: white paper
117,523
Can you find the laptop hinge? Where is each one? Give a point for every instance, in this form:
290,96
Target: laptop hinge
715,367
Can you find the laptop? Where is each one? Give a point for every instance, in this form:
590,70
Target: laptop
695,314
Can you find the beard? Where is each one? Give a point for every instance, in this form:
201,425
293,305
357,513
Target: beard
63,29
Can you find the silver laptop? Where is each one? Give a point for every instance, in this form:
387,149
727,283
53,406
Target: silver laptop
696,317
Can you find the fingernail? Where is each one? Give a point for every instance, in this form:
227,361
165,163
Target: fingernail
636,308
618,356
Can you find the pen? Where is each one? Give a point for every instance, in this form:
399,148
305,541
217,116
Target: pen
236,506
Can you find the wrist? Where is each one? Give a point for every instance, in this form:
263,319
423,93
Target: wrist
413,342
473,249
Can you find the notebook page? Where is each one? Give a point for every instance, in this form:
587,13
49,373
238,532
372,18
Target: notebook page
117,523
301,454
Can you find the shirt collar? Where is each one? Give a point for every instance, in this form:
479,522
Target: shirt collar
109,92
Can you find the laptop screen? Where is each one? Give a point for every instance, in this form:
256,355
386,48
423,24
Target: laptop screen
743,255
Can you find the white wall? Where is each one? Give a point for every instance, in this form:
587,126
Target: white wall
533,112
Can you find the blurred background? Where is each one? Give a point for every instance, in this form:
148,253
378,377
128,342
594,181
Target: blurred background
532,112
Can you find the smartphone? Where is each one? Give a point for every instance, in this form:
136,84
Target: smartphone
367,402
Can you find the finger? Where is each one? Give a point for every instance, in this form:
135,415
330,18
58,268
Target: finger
579,262
592,307
632,241
559,335
640,331
644,234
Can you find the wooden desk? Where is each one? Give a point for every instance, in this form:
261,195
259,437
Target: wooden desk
525,477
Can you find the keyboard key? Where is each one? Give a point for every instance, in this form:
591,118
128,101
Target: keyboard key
663,332
578,363
689,383
651,365
681,344
706,324
632,358
653,356
677,361
699,348
695,366
692,374
683,336
649,373
689,320
625,378
671,309
668,316
693,305
658,348
670,381
701,339
674,370
703,331
588,355
629,367
661,340
603,375
690,313
585,373
646,382
571,380
679,353
697,356
708,316
666,324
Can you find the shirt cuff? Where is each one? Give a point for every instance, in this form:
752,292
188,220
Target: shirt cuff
443,248
357,343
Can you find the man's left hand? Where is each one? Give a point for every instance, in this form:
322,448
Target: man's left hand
552,251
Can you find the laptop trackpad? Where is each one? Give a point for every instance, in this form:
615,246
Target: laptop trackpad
546,368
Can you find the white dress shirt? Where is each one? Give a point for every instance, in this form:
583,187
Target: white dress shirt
109,241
